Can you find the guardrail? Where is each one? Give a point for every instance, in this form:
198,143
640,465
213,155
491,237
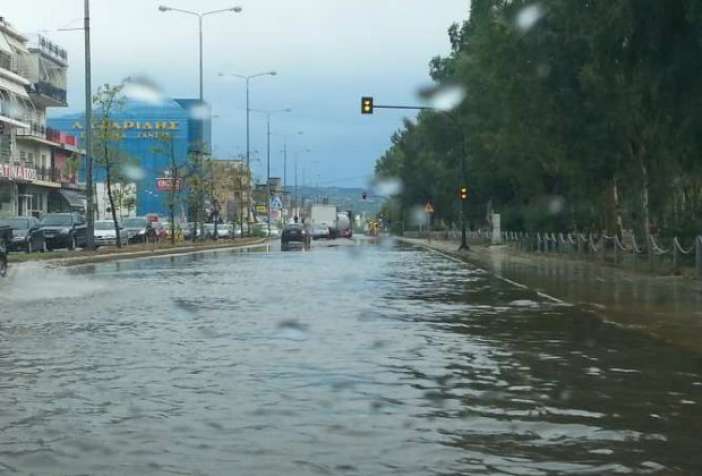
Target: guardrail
670,256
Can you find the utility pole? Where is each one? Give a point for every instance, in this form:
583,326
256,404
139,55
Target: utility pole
285,177
248,158
89,133
268,173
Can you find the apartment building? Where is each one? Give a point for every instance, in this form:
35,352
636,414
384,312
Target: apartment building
38,165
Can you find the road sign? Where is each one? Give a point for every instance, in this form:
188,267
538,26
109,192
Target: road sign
428,208
169,184
276,203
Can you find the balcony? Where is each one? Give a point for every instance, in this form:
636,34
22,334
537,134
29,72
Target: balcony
48,174
47,94
35,130
11,114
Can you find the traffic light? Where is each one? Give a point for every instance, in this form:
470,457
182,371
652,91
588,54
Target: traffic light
463,193
364,195
366,105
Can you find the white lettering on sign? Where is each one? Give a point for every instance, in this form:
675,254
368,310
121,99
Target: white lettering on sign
16,172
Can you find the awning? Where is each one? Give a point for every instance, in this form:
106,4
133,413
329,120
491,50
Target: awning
5,45
19,46
74,199
13,88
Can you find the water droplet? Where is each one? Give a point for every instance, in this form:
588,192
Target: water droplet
142,89
133,172
556,205
292,329
387,187
200,112
444,97
529,16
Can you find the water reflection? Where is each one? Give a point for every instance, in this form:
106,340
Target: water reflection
266,363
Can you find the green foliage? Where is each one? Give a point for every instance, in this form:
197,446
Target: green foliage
597,99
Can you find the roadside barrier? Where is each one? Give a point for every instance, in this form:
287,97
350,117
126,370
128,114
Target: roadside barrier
670,257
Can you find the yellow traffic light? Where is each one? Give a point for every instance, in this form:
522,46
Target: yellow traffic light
463,193
367,105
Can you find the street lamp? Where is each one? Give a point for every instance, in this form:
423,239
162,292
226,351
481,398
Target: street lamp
200,16
248,79
268,154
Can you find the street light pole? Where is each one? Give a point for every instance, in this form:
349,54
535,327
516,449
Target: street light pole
268,156
248,161
89,133
200,16
268,166
247,79
202,90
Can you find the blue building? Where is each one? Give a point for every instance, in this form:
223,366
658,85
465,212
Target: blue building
185,120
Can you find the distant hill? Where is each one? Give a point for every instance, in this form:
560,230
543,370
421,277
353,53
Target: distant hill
345,199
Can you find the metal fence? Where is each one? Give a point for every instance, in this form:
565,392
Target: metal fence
660,255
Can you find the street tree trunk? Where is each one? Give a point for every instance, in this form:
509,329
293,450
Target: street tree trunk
108,180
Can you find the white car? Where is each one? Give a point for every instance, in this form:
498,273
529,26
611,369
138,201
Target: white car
105,234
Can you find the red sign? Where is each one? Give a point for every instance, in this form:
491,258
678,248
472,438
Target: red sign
15,172
168,184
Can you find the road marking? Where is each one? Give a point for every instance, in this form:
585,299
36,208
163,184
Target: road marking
506,280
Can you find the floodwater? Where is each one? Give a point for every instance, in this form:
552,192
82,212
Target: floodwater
361,360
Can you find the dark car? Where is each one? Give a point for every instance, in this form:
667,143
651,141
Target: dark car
5,237
141,229
26,234
294,234
64,230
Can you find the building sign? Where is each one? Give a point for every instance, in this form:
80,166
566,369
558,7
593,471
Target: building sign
261,209
138,125
168,184
15,172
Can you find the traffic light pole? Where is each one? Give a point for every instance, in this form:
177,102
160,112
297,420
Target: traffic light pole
368,106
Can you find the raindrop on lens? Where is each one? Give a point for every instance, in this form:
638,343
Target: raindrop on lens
200,112
142,89
528,17
556,205
444,97
387,187
134,172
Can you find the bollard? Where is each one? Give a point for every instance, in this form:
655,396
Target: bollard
698,256
603,245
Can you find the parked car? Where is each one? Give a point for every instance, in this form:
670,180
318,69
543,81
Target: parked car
224,231
237,230
294,234
105,234
26,234
5,237
139,229
64,230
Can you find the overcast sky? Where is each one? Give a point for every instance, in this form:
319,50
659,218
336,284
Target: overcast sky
328,53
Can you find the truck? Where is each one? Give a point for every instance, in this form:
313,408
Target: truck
344,228
324,215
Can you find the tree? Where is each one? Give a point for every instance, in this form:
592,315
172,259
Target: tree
107,150
584,118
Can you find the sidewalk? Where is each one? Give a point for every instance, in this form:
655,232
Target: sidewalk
667,307
77,258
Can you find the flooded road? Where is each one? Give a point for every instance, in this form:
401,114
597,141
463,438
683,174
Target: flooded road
367,360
